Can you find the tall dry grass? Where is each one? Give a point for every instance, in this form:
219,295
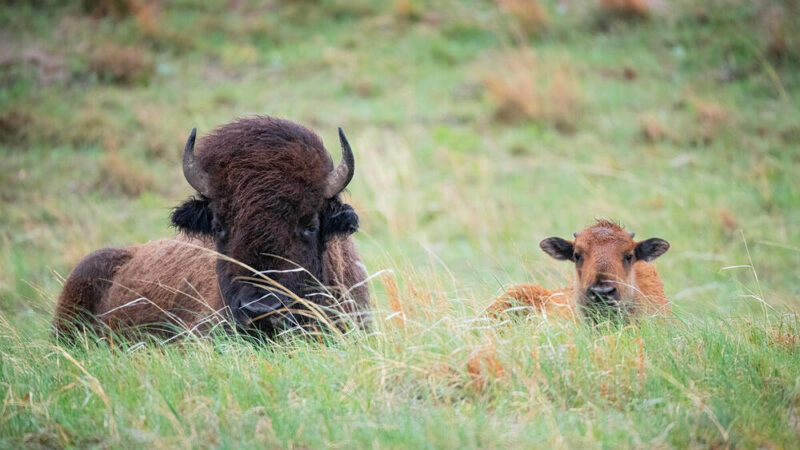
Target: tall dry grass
126,65
529,17
624,9
523,85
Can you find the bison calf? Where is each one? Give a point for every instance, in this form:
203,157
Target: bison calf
613,277
268,207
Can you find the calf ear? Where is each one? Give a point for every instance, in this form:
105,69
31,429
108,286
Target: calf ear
651,249
557,248
193,216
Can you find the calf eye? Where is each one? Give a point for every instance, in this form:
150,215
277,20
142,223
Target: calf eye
628,258
576,257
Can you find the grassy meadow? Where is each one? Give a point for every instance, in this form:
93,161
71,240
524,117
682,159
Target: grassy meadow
479,128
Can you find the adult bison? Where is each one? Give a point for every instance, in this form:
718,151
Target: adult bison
265,244
613,276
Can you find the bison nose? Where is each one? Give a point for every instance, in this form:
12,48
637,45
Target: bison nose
264,306
604,292
256,311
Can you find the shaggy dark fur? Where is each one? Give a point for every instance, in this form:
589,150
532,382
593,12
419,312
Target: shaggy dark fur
193,216
266,210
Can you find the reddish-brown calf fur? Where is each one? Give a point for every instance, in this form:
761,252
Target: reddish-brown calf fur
607,261
533,298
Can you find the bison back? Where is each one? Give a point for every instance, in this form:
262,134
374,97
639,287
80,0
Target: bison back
168,285
86,287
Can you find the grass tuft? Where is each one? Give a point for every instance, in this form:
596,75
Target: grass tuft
114,8
623,9
407,11
711,119
16,126
484,367
122,175
781,31
123,65
526,87
653,129
529,16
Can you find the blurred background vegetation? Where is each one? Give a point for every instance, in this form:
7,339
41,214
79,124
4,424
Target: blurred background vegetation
479,128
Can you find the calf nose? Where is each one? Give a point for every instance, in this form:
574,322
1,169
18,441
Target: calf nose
604,292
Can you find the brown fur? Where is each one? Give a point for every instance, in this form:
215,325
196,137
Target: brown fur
533,298
88,283
287,180
175,282
345,278
649,297
603,248
267,179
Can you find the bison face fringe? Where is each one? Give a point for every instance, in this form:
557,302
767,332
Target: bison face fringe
266,210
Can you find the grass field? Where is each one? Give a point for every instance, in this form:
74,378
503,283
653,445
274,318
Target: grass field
479,129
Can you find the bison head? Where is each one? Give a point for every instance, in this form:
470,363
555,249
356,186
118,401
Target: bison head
604,256
269,198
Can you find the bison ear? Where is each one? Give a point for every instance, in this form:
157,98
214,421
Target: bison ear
193,216
339,218
557,248
651,249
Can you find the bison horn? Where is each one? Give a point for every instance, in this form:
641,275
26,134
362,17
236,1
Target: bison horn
341,176
632,235
196,177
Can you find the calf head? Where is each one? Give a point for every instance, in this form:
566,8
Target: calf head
604,255
269,198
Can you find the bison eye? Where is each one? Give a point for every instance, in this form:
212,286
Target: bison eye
218,229
308,227
628,258
310,231
576,257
